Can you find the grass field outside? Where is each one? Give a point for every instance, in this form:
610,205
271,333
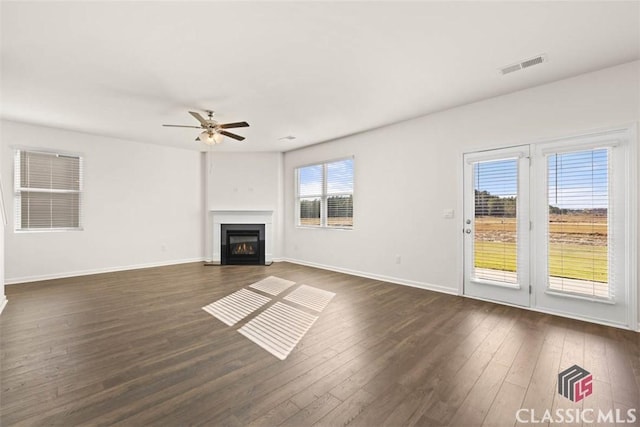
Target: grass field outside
331,222
577,246
570,261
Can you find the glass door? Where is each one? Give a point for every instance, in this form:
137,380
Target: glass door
583,232
496,225
552,226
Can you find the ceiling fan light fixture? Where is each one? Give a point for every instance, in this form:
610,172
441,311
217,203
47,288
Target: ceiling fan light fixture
211,137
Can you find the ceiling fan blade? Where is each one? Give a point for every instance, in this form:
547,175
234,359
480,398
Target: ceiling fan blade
199,118
234,125
232,135
183,126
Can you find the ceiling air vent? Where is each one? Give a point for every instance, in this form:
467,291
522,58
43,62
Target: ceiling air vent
524,64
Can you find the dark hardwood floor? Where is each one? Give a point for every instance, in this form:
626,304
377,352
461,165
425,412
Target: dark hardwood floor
135,348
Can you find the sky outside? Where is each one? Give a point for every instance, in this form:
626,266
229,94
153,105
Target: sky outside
339,178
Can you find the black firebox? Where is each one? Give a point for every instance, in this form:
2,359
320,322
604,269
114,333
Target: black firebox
242,244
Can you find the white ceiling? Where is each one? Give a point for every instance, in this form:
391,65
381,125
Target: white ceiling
316,70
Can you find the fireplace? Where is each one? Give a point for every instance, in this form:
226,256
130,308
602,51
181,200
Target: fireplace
242,244
256,218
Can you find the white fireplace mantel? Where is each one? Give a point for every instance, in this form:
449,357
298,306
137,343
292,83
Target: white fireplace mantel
218,217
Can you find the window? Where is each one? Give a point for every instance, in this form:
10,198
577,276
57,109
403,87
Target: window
48,191
495,220
324,196
578,222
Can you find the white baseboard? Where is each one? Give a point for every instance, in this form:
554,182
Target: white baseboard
583,318
395,280
3,302
26,279
556,313
438,288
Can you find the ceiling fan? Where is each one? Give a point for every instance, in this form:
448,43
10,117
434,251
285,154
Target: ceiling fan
213,131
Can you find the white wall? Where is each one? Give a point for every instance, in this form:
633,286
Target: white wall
246,181
406,174
142,206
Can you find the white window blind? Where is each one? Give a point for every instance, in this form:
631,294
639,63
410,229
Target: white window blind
578,231
48,191
495,220
310,192
325,194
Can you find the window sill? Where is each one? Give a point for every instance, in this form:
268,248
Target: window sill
321,227
579,296
495,283
46,230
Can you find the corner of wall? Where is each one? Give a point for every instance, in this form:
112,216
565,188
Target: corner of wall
3,302
280,251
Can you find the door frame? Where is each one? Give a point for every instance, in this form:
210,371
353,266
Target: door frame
629,132
517,294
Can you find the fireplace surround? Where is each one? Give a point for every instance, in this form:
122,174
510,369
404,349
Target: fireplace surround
215,220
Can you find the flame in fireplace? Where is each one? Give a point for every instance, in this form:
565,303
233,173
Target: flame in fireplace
243,249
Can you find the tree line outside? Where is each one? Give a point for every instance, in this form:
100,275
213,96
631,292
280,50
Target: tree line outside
488,204
339,211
